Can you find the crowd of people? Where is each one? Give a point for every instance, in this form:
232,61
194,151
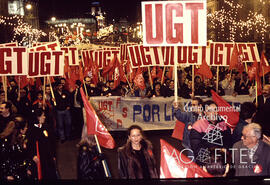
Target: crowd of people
33,118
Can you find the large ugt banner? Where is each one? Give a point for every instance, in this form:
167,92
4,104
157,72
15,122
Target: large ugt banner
215,54
174,23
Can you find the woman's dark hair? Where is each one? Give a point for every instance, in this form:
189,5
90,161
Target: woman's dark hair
134,127
247,110
8,105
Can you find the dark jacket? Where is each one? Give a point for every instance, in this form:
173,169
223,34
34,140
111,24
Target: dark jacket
261,117
204,136
89,164
259,166
188,118
129,165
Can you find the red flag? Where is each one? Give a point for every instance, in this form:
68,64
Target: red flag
116,77
154,72
139,80
110,68
170,74
94,125
94,73
236,60
264,66
205,70
253,70
226,110
22,80
178,130
159,74
130,72
38,164
174,164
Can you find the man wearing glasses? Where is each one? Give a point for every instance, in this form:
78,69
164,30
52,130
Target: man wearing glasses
251,156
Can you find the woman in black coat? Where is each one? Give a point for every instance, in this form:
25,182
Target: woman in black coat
135,158
89,163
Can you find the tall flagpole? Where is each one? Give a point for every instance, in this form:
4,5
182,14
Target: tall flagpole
103,162
175,82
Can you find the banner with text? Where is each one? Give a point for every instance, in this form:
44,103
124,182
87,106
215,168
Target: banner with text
118,113
215,54
174,23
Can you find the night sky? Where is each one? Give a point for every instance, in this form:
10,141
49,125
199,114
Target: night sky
115,9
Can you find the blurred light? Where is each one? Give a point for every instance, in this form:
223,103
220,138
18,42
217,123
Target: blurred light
53,18
28,6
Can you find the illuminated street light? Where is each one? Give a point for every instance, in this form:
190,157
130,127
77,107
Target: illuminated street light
28,6
53,19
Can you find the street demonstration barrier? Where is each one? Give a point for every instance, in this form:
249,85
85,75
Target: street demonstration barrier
118,113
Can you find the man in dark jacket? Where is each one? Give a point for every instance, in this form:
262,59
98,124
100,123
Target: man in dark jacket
263,110
209,132
63,105
251,156
76,110
189,115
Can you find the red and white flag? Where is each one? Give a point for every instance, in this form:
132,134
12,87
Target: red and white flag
94,125
264,66
139,80
174,164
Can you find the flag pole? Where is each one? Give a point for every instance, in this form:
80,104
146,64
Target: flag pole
163,74
150,77
54,102
218,79
175,82
103,162
19,87
44,86
5,86
128,82
263,75
193,78
256,85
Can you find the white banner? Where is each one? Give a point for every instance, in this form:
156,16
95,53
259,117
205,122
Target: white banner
118,113
101,57
46,63
71,55
174,23
215,54
13,61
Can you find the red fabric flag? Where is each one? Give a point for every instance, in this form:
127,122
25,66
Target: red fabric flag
94,125
178,130
39,163
236,60
23,80
139,80
174,164
205,70
94,73
159,73
226,110
264,66
170,73
154,72
116,77
129,71
253,70
110,68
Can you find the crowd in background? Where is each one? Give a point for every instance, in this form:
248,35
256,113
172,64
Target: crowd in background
60,116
